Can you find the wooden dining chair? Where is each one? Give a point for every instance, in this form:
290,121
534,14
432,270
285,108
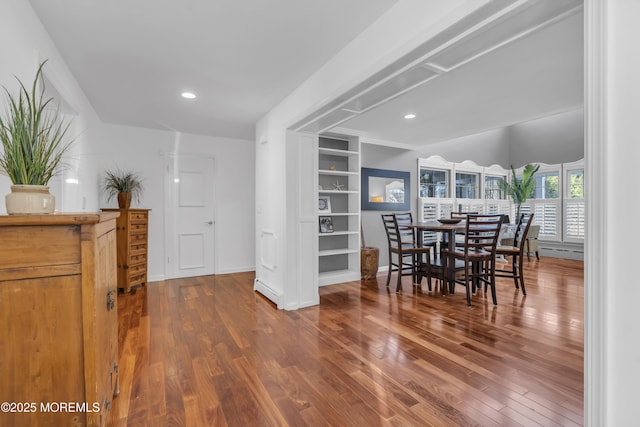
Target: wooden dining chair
410,259
461,216
478,254
516,251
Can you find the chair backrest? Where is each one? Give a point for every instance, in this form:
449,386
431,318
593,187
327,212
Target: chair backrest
403,228
522,230
398,231
482,232
390,227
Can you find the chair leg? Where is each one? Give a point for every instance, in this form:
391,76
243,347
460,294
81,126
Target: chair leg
521,276
514,270
400,270
390,269
467,285
494,297
537,256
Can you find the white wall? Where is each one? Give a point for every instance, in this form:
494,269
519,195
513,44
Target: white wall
143,151
26,44
100,146
404,27
558,138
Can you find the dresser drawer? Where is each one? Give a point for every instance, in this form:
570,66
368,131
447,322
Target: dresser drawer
36,246
138,216
135,270
138,238
140,258
138,228
138,279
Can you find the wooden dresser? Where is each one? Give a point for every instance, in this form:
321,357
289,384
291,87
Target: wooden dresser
58,319
132,237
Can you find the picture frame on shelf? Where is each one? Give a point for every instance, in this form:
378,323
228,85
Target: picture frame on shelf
326,224
324,204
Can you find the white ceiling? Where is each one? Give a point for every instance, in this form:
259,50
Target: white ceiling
241,57
533,77
513,61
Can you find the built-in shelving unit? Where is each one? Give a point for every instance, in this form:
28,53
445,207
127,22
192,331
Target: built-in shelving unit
338,209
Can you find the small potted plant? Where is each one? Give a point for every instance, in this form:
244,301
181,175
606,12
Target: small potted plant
123,184
32,135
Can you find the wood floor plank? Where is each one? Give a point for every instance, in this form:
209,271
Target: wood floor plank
209,351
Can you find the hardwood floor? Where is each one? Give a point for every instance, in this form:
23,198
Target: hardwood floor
209,351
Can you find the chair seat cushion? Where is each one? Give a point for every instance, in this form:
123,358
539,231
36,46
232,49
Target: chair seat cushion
410,249
473,253
507,250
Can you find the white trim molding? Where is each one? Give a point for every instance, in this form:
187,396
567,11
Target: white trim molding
271,293
595,296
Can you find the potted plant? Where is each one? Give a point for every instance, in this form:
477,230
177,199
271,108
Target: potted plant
33,141
519,189
123,184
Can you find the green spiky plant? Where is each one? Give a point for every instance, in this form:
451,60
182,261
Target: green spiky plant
121,181
519,189
32,134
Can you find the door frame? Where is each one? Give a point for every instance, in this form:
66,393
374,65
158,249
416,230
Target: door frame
170,270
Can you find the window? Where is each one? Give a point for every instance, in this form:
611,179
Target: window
466,185
433,183
557,199
492,190
576,184
574,207
547,186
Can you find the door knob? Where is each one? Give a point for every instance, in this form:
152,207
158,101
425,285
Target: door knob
209,223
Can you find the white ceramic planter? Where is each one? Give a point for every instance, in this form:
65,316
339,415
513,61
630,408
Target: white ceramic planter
30,200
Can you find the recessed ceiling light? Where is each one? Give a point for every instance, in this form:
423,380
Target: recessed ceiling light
188,95
410,116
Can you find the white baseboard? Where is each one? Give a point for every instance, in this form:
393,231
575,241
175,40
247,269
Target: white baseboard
561,250
269,292
236,270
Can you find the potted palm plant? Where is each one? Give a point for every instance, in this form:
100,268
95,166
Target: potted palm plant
519,189
32,135
123,184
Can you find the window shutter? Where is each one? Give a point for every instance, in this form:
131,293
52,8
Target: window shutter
574,220
546,216
429,211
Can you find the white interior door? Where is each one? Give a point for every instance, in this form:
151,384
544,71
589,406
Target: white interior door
190,225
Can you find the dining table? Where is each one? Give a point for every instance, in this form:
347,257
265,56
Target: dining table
449,229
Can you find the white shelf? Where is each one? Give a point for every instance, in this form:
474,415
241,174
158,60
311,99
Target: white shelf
339,191
337,173
337,276
339,252
338,213
338,233
336,152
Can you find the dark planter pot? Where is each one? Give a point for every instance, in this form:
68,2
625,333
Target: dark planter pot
124,200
